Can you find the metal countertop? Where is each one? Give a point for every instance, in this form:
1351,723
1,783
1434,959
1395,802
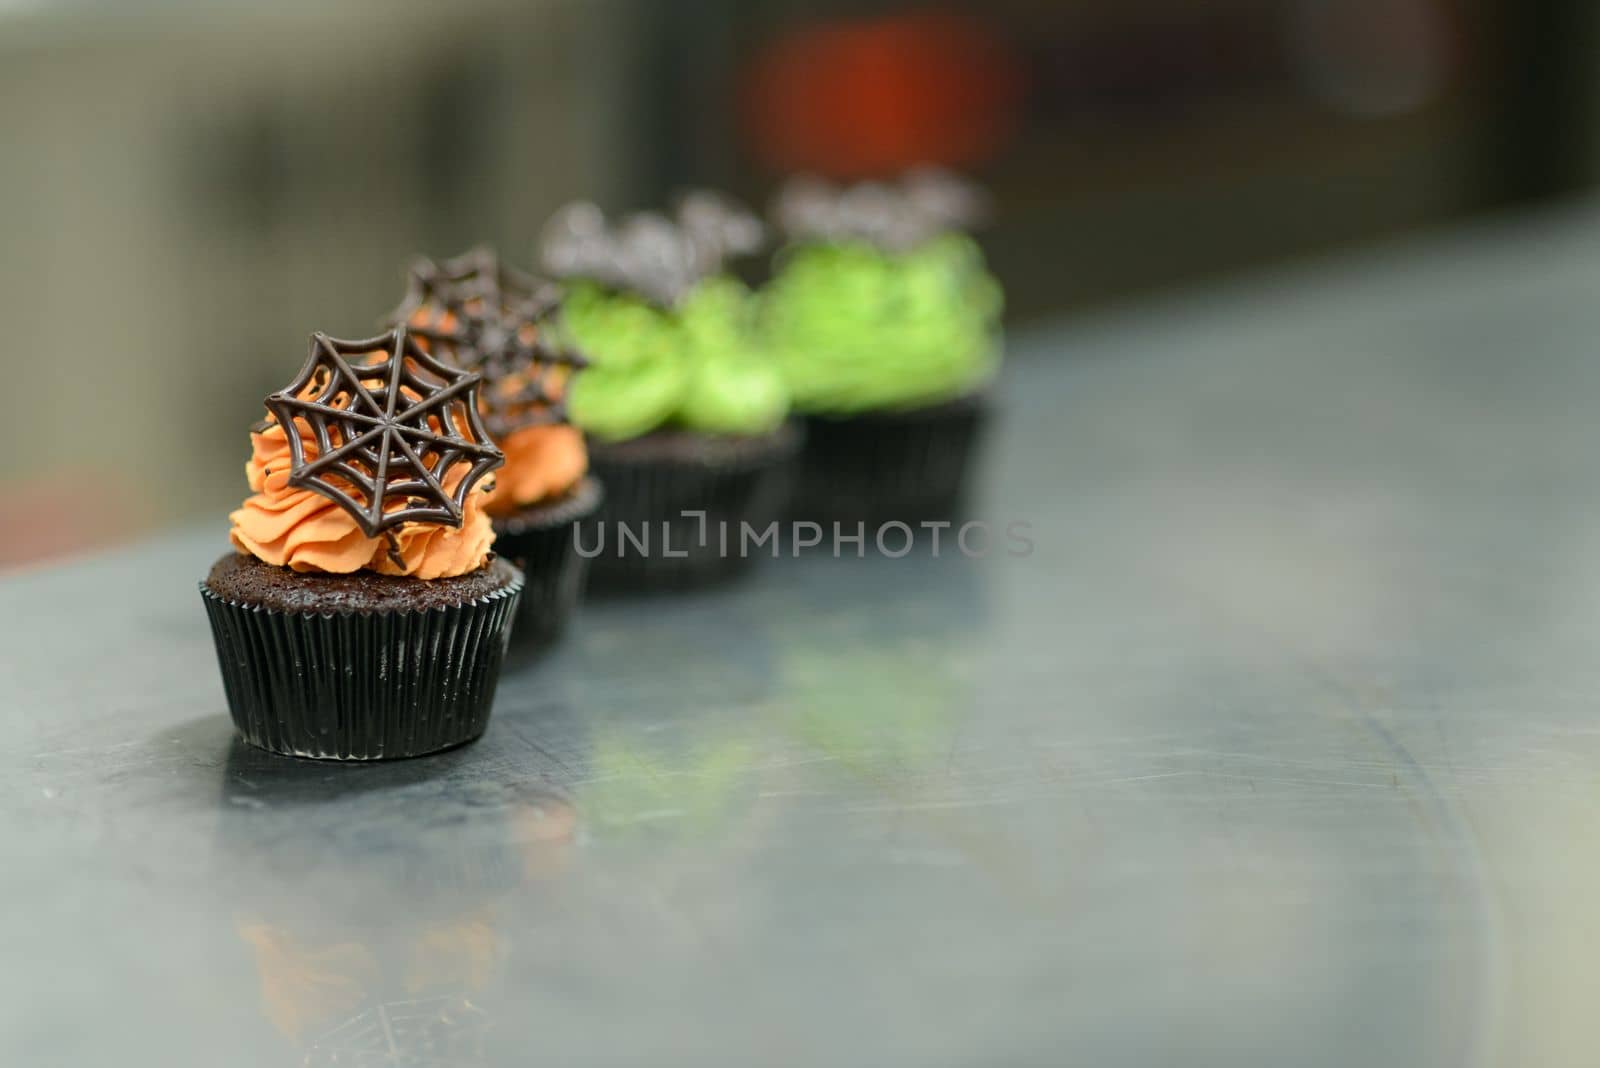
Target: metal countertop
1282,747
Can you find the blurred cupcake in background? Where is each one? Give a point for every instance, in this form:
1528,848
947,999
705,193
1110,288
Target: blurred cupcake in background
685,409
885,322
484,316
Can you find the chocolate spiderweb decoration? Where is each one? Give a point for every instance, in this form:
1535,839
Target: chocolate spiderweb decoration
476,279
480,314
525,373
480,274
387,432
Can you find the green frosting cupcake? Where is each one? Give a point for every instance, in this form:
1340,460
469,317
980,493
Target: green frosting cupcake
700,365
856,328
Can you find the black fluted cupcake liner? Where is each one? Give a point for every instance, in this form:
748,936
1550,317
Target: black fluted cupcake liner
677,503
357,686
879,467
543,541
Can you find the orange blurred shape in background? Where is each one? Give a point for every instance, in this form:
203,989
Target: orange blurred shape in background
860,98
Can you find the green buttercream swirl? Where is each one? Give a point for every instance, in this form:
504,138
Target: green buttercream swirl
700,365
856,328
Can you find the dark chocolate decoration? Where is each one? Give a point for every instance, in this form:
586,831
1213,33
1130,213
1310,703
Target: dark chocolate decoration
577,243
926,203
387,431
477,275
720,226
650,255
483,316
656,258
525,373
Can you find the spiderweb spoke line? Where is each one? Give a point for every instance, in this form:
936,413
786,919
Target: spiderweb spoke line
448,393
328,409
397,372
443,441
341,368
421,385
316,414
423,472
380,481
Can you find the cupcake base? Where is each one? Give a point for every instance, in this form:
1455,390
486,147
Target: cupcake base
878,467
543,541
362,666
651,534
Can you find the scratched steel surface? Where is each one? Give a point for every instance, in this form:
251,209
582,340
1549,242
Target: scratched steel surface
1281,748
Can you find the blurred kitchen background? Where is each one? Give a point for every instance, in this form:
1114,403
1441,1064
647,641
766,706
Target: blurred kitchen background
188,189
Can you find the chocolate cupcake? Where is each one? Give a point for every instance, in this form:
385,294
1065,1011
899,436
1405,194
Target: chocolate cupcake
685,410
483,316
886,324
364,615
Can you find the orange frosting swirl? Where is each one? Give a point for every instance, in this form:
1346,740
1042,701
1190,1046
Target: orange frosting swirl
305,531
542,463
